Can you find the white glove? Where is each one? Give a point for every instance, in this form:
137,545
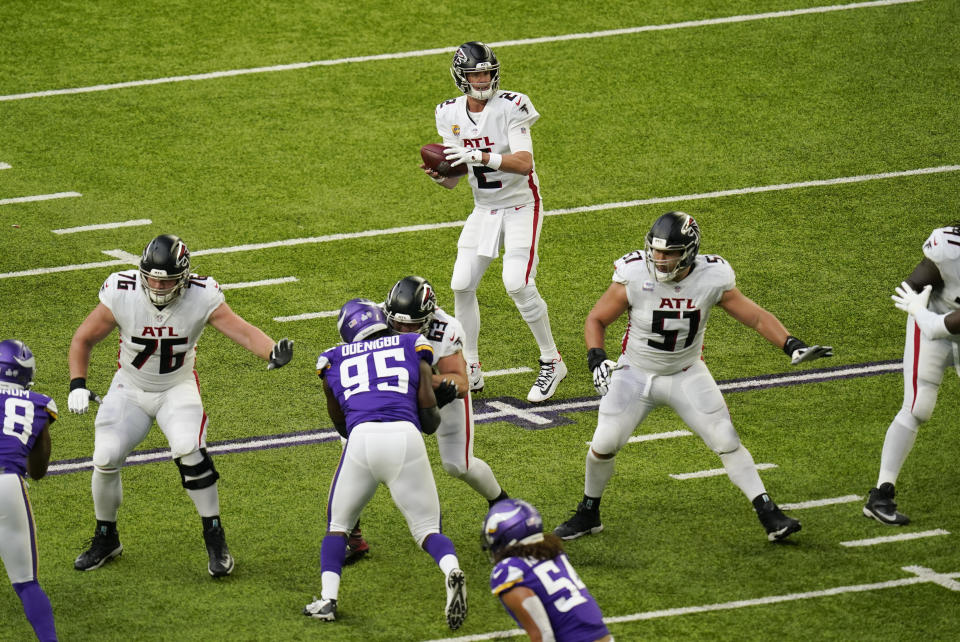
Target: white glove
931,324
810,353
909,301
79,400
602,375
460,155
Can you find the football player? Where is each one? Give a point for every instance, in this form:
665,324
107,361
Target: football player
379,391
931,298
534,579
411,306
489,130
160,311
24,449
668,290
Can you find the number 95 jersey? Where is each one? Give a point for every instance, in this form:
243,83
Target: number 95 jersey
158,347
667,320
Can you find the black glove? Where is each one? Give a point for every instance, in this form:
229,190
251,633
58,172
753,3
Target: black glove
445,393
595,356
281,354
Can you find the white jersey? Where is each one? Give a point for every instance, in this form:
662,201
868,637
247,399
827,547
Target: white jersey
158,347
943,248
667,320
489,130
445,335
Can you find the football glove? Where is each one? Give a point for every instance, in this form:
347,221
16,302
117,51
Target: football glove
281,354
931,324
602,369
445,392
799,352
79,400
460,155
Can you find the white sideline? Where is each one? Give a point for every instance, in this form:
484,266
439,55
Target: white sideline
714,472
442,50
922,575
894,538
436,226
38,197
103,226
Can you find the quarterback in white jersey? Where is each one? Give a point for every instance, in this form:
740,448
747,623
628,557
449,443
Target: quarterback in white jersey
488,129
669,290
931,298
160,312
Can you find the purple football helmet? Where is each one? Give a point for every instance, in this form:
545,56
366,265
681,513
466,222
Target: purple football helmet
359,318
16,363
511,522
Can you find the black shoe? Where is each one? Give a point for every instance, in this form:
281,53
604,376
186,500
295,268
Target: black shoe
881,507
221,561
777,525
583,522
103,547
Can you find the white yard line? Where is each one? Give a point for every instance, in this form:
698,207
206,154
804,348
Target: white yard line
714,472
816,503
922,575
448,50
103,226
436,226
256,284
894,538
5,166
38,197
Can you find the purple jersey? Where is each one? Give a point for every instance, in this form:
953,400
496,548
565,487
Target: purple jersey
24,414
378,379
574,614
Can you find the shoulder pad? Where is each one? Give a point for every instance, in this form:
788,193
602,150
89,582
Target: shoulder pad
942,245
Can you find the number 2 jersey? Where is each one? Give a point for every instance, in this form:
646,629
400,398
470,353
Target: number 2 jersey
490,130
377,379
158,347
24,414
574,614
667,320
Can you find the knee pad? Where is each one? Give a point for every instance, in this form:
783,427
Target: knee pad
924,402
454,470
201,475
721,438
105,460
528,301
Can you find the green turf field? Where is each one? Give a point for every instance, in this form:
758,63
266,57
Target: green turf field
817,150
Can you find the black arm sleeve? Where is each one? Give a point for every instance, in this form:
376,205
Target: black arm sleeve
429,420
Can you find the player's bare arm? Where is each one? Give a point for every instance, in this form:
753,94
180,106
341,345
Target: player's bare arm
334,410
39,457
98,324
926,273
427,401
747,312
453,368
611,305
241,332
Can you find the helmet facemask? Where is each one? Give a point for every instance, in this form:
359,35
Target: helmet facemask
167,260
474,57
411,302
672,232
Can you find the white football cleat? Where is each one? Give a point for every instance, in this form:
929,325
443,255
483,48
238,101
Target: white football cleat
456,610
551,374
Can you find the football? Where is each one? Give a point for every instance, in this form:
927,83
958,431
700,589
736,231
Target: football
433,157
